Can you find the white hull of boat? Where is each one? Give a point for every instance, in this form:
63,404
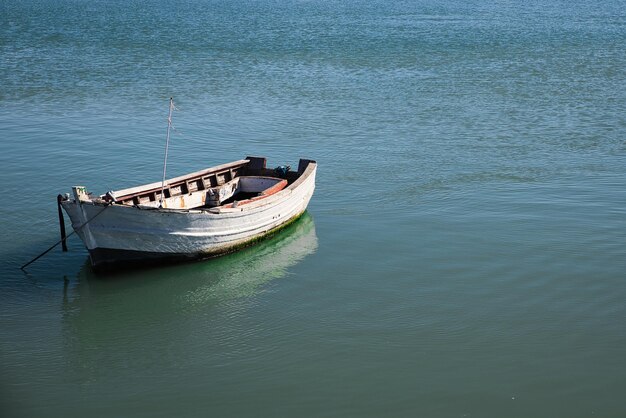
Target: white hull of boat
117,233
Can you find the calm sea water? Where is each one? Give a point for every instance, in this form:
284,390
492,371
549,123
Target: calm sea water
464,254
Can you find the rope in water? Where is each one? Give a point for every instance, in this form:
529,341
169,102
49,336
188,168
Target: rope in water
62,240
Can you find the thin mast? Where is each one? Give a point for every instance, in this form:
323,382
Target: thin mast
167,144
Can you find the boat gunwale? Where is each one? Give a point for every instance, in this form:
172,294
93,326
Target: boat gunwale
130,192
269,200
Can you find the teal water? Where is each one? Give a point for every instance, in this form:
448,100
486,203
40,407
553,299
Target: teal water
464,254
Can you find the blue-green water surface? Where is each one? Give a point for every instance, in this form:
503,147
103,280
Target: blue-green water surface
464,254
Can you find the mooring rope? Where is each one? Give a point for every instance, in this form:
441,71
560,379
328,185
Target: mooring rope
65,238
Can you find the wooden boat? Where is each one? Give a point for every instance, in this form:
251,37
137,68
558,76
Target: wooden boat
202,214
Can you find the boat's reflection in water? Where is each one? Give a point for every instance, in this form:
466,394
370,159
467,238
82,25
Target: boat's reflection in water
188,304
231,276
